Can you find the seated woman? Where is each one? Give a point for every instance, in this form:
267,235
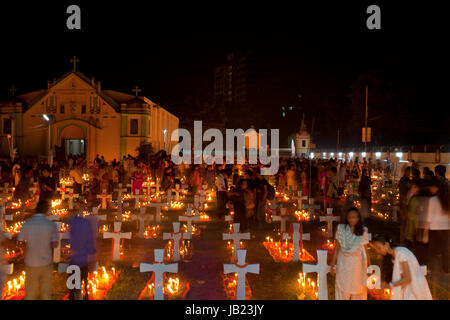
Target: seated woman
401,271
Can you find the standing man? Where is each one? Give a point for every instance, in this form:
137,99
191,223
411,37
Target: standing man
82,247
47,185
365,194
403,187
40,236
77,175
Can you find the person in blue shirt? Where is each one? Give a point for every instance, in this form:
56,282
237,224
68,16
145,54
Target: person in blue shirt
82,246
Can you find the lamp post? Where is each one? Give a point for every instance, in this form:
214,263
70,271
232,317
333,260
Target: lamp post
165,140
49,119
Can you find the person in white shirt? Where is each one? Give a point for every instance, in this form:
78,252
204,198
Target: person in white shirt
401,271
437,223
41,236
351,257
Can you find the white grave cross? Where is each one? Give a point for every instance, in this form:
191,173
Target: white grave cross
140,219
322,268
236,237
104,198
297,238
176,236
329,218
137,197
158,205
241,268
159,268
300,199
70,196
116,236
311,208
189,218
283,217
61,236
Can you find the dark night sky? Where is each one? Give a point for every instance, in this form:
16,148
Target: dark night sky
170,49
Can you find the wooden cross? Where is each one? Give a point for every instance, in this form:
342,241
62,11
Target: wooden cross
159,268
236,237
136,90
189,218
74,60
311,208
158,205
329,218
13,90
116,236
322,268
140,220
104,199
176,236
61,236
241,268
297,238
283,217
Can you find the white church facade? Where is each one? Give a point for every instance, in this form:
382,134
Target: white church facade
84,120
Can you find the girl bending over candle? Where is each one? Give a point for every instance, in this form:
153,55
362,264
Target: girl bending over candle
352,258
401,271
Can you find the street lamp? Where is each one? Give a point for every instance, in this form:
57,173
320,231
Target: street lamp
165,140
49,119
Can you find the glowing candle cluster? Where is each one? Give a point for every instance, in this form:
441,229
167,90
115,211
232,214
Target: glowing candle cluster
99,282
14,229
195,231
66,181
381,294
15,288
308,288
329,246
302,215
283,251
152,232
186,250
230,286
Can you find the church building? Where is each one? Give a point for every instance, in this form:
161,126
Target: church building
74,115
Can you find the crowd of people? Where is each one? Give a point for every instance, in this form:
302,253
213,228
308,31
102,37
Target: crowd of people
424,199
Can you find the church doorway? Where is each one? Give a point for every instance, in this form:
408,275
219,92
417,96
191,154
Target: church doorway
75,147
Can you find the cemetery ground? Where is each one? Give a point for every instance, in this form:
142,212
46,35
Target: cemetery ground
203,273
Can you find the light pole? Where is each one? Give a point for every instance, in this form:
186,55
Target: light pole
165,142
49,119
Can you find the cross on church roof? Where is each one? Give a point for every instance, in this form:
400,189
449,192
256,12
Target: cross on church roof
13,90
136,90
74,60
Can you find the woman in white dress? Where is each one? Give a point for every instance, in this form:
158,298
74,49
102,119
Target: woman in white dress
401,271
350,258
